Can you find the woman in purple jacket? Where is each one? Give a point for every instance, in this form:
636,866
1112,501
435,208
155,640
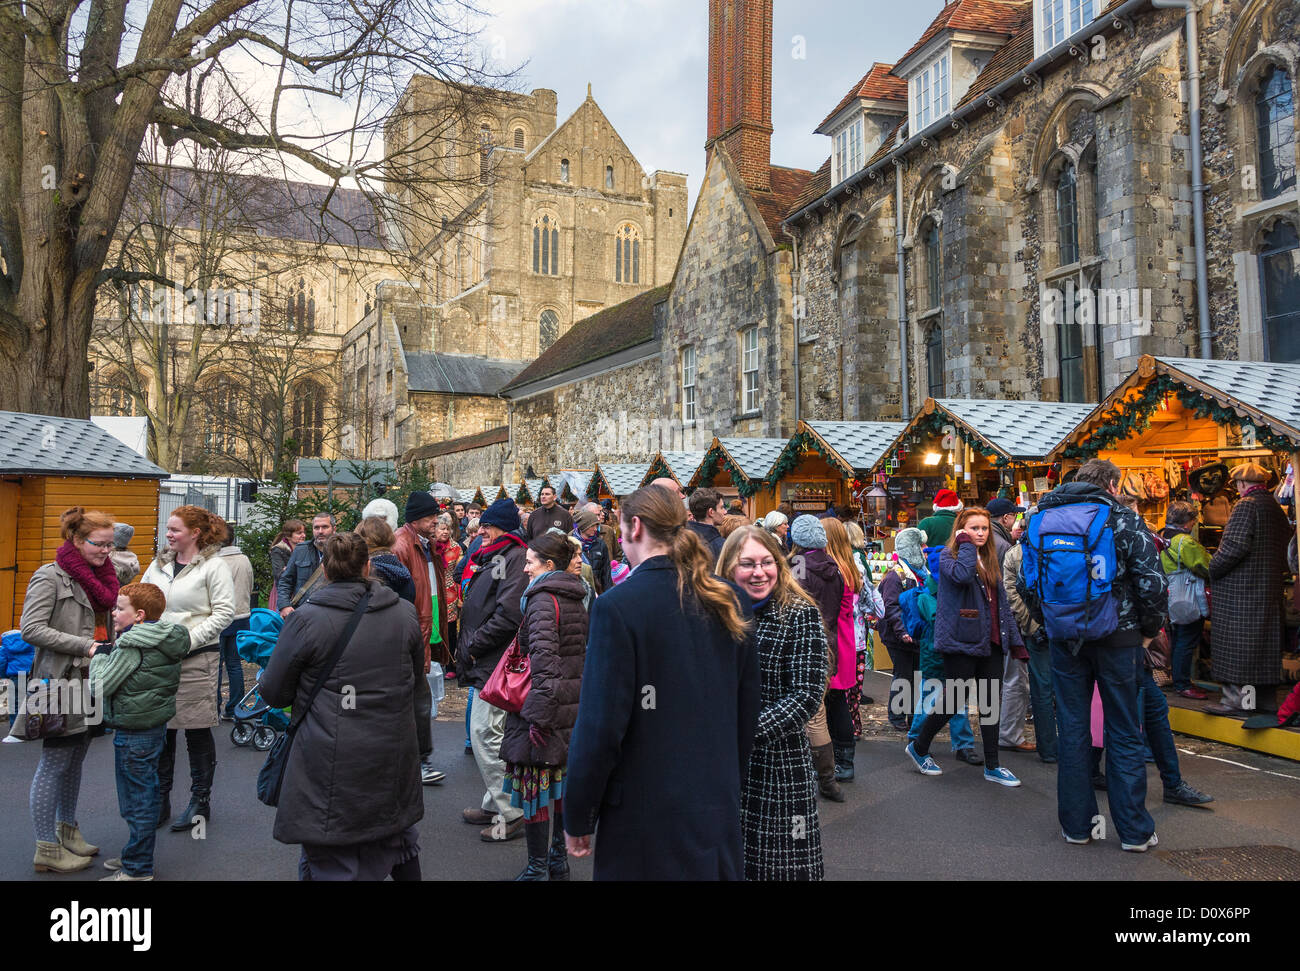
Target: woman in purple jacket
972,628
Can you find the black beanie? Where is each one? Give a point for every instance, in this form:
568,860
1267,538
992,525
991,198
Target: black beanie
503,514
419,505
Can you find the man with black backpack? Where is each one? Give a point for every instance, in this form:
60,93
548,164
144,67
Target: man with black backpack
1093,577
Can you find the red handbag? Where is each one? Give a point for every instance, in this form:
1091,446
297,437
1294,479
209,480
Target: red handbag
508,686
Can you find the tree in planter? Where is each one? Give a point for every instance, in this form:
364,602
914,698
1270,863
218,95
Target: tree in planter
82,84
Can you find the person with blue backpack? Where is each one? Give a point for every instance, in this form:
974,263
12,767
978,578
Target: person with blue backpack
1092,575
973,628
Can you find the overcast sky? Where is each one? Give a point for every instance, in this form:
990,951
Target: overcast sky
647,61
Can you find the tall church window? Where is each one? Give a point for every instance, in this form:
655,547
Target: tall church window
1275,128
546,246
934,362
113,397
548,330
564,170
609,176
220,402
1067,214
627,255
688,383
933,264
301,308
1279,273
309,418
484,153
519,139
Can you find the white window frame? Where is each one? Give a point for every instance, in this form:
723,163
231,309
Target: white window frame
1055,20
850,153
749,364
931,89
688,383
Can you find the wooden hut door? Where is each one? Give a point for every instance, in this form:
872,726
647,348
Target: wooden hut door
8,551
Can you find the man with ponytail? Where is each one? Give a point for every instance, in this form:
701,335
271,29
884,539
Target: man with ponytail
668,710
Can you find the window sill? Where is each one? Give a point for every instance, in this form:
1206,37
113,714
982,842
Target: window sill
747,415
1287,200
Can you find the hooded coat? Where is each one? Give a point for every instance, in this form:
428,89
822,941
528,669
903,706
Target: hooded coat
964,621
353,773
490,617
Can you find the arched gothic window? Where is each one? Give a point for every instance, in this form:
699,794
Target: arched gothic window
546,245
548,330
1279,275
484,152
309,418
933,257
627,255
564,170
519,139
301,308
1275,132
1067,214
609,176
220,402
112,396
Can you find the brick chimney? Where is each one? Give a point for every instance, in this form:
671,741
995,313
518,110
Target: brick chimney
740,86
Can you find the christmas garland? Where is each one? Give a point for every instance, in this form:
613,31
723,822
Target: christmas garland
933,424
718,457
793,453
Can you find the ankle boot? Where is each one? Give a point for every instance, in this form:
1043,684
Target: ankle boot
824,760
535,835
70,836
558,859
844,762
57,858
166,769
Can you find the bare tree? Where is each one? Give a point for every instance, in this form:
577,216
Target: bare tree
83,83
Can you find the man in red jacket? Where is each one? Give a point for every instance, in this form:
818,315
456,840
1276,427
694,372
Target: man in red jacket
413,549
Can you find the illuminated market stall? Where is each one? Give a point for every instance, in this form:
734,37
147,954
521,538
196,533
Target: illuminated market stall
738,468
829,463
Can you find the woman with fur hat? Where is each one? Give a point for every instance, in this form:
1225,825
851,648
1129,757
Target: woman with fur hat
907,572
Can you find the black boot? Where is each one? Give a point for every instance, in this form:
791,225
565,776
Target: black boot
844,762
536,835
557,860
166,769
203,766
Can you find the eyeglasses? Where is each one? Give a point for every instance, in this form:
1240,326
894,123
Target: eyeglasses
100,546
760,565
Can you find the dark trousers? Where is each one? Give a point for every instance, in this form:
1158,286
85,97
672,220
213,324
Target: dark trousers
1041,696
838,718
1185,638
135,759
1154,713
902,690
423,715
957,670
231,665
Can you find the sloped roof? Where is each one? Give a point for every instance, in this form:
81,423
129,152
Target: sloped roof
1261,392
466,495
1020,430
787,186
491,493
493,436
614,329
988,16
458,373
619,479
45,445
754,456
1008,60
817,186
683,464
343,472
876,85
860,444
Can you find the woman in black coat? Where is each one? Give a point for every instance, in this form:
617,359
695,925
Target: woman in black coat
535,746
351,793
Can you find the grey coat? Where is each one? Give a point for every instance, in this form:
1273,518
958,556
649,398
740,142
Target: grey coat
1246,620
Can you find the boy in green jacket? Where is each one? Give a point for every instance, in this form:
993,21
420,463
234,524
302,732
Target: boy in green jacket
136,684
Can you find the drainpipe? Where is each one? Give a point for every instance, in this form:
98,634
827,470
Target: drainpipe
794,288
1198,178
902,287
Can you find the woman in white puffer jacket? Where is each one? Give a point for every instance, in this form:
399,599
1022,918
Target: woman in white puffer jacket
200,595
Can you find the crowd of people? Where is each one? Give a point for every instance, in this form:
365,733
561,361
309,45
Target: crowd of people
669,675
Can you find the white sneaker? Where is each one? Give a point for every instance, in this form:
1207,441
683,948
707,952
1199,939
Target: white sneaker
1140,847
123,875
430,776
1070,839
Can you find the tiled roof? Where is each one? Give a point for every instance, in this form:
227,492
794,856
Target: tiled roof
683,464
342,472
1007,61
989,16
817,187
861,444
617,328
877,85
754,456
620,479
493,436
466,495
458,373
1020,430
787,186
43,445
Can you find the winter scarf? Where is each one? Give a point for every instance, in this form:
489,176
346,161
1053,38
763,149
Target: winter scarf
587,544
523,601
99,582
484,554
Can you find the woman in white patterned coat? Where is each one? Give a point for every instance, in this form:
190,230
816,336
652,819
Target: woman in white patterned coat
778,808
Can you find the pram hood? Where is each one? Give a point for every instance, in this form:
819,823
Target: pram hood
256,644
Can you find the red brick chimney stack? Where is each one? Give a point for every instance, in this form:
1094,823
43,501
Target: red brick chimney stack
740,86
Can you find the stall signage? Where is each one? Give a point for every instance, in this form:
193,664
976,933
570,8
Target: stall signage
823,492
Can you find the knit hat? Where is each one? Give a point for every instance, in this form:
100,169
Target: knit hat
503,514
808,532
584,520
774,520
946,500
419,505
1001,507
909,544
386,509
1250,472
122,533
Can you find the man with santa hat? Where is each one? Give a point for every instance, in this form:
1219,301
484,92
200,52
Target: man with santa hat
938,527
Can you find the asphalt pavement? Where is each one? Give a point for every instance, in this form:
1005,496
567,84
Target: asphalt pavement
896,823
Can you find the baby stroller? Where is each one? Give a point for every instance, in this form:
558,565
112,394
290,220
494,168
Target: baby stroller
255,720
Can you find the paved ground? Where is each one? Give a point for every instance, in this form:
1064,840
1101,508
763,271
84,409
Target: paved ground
896,823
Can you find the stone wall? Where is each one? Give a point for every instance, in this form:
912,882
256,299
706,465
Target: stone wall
472,467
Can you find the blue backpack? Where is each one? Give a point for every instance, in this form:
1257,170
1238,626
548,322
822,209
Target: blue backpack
912,621
1069,567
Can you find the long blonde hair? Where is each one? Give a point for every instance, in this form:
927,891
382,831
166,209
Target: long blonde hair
664,519
840,550
787,590
990,570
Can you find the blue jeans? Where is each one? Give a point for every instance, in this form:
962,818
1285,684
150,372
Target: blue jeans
1040,695
1185,637
1159,736
231,663
958,725
135,756
468,706
1114,665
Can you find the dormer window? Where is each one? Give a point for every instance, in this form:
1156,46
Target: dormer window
1059,19
849,154
931,91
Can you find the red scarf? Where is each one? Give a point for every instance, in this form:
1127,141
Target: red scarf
485,553
99,582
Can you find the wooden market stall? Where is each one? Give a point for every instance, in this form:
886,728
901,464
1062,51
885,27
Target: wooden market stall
528,493
616,480
823,460
48,465
468,496
678,466
491,493
979,448
738,468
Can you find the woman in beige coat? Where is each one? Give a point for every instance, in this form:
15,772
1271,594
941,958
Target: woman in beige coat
201,596
67,614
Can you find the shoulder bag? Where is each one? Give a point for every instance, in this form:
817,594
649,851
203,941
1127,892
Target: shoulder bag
271,776
1187,603
508,686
